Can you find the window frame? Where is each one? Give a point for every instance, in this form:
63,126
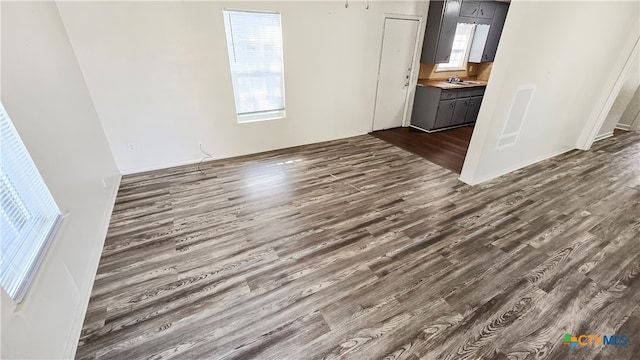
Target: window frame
41,213
260,115
465,56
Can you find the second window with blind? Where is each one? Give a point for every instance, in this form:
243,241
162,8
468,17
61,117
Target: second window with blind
29,216
254,44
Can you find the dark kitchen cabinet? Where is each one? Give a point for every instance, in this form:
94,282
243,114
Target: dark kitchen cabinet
495,31
443,18
460,112
425,105
474,109
441,29
444,114
435,108
476,11
469,8
487,9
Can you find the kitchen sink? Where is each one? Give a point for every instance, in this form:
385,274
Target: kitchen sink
463,82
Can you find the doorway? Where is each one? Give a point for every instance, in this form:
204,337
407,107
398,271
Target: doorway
395,72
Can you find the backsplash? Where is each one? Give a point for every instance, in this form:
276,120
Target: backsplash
482,71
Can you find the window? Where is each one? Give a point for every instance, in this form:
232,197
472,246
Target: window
28,214
460,50
254,43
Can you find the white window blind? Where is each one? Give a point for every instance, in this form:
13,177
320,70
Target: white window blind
254,44
460,49
28,213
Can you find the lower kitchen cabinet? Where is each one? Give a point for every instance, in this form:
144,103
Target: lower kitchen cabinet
435,108
445,111
460,112
474,109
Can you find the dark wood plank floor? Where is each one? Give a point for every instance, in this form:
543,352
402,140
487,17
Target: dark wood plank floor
358,249
446,148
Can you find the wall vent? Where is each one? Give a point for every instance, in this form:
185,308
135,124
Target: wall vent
517,114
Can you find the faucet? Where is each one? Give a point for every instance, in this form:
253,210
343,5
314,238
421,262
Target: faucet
454,79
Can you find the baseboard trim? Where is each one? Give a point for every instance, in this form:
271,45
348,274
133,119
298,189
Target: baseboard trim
229,156
419,128
603,136
437,130
624,127
481,179
160,167
83,303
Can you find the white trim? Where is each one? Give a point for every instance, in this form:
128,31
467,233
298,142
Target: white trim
83,301
604,136
415,65
159,167
623,127
415,70
635,122
440,129
599,113
28,279
419,128
252,11
262,116
40,202
230,156
501,172
462,68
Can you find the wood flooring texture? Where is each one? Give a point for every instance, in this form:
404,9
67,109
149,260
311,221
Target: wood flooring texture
357,249
446,148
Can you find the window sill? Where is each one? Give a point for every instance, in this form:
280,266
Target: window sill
451,70
263,116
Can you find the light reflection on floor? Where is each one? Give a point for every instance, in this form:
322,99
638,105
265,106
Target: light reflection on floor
260,180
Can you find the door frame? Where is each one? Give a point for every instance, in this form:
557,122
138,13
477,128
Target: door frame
600,111
415,64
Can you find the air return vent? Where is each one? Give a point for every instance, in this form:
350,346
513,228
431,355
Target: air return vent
516,116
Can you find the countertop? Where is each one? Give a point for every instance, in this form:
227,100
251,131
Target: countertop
443,84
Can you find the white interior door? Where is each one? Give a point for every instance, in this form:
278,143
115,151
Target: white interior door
394,74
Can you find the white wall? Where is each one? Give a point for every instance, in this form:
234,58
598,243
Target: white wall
159,75
46,97
572,51
627,97
630,119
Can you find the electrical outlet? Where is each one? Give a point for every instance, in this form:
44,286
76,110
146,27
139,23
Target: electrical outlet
200,144
132,147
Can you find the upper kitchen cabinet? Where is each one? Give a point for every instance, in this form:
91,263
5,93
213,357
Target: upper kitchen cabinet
477,9
495,31
487,16
487,9
486,37
469,8
441,29
476,12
